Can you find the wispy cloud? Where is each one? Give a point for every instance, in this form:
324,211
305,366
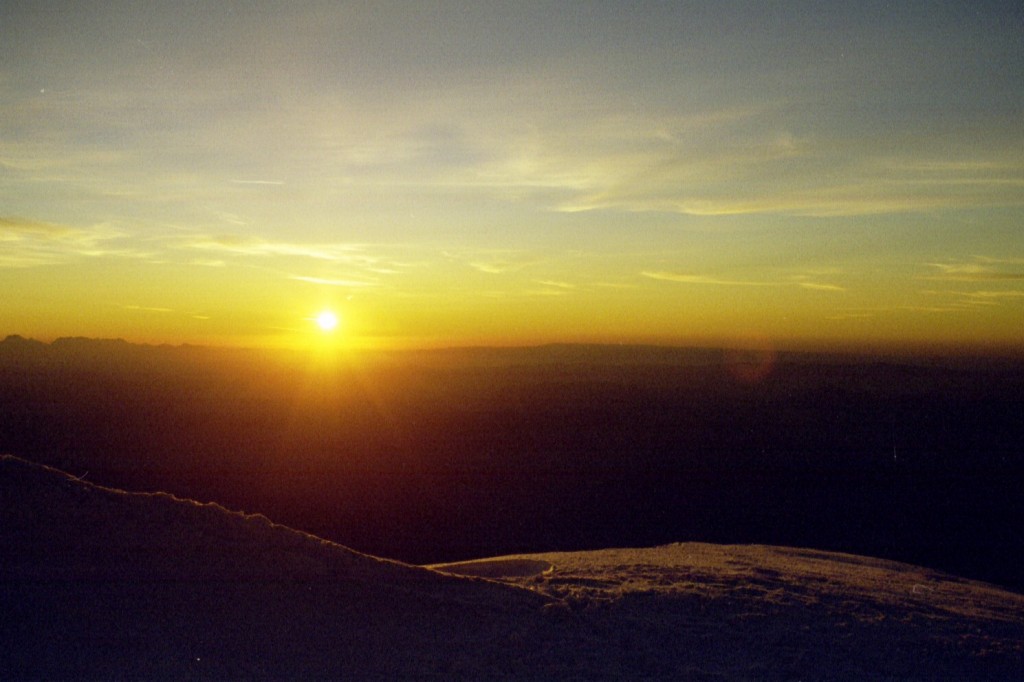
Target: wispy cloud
980,269
704,279
333,282
794,280
558,285
999,261
337,264
496,267
852,316
255,246
15,229
952,308
977,297
28,243
494,261
1014,293
769,172
817,286
150,309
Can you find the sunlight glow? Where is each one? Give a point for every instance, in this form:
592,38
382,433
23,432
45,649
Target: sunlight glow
327,321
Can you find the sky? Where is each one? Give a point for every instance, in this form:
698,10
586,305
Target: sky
796,174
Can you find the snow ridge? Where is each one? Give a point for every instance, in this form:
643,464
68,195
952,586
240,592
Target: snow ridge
97,582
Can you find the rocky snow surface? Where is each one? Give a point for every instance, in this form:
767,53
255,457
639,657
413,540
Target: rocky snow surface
100,583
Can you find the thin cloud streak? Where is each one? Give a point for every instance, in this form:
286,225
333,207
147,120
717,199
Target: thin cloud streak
979,270
558,285
29,243
148,309
254,246
705,280
14,229
995,294
821,287
333,282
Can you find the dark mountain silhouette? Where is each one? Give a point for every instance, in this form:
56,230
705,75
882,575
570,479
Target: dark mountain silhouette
434,456
99,583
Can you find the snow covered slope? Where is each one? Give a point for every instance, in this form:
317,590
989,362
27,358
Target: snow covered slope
101,583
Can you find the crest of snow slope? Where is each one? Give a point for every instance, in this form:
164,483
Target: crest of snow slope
768,612
101,583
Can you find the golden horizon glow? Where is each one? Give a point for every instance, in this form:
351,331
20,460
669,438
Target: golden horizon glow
818,177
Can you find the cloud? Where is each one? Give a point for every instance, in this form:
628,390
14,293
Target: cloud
855,197
980,269
495,267
255,246
952,308
494,261
703,279
614,285
996,294
951,299
226,115
333,282
999,261
150,309
821,287
754,166
53,158
29,243
16,229
345,265
499,267
794,280
559,285
852,316
992,299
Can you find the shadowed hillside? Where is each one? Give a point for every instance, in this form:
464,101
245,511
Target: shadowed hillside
444,455
100,583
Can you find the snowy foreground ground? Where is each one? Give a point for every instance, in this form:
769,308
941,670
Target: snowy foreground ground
98,583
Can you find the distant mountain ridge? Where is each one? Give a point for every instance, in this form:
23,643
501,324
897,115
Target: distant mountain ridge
15,346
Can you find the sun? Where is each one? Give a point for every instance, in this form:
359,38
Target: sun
327,321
